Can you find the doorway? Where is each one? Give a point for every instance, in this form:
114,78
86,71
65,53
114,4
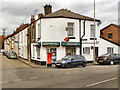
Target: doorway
70,51
96,53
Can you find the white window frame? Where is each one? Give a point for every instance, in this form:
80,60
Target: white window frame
85,50
70,27
33,32
110,49
92,29
38,52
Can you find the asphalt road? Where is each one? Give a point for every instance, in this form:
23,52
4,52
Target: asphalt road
16,74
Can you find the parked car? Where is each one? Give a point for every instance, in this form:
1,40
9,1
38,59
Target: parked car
111,59
5,53
71,61
12,55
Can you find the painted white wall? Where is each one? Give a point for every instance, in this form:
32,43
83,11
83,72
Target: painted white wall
54,30
23,45
103,47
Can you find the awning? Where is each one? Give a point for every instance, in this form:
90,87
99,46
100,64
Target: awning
37,44
51,44
70,44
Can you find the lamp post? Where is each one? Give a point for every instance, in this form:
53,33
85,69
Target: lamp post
94,36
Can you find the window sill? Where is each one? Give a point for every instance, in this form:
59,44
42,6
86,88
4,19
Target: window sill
71,37
93,38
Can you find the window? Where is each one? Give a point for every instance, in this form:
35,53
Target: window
70,51
33,33
39,31
25,37
70,29
92,31
38,52
86,50
54,56
110,35
21,37
109,50
33,51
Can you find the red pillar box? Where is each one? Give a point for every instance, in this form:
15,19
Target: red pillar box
49,59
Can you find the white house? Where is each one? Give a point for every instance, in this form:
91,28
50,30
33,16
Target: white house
54,27
49,31
23,43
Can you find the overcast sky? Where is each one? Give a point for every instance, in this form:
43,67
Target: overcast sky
15,12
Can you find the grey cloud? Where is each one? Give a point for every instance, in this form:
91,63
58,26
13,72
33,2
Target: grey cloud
15,12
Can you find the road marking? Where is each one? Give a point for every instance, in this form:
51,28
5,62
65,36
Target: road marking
45,76
33,77
17,80
101,82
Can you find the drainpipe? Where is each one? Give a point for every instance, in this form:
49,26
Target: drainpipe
82,36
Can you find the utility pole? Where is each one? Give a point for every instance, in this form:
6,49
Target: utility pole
4,29
94,36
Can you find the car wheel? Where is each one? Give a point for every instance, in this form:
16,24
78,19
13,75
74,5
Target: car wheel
111,62
84,65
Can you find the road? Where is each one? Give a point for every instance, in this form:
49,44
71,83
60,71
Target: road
16,74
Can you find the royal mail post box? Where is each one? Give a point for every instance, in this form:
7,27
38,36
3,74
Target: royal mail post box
49,59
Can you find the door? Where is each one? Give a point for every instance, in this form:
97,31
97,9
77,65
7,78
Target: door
96,53
70,51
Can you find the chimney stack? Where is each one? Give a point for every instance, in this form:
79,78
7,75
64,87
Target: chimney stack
32,18
48,9
40,15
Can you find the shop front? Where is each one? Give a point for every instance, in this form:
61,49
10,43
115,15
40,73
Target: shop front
71,47
51,47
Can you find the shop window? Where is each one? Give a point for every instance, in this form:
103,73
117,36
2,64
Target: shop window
70,29
38,52
70,51
109,50
86,50
54,56
33,51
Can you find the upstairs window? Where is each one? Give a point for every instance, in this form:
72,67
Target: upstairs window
92,31
33,33
109,50
21,37
39,31
70,29
110,36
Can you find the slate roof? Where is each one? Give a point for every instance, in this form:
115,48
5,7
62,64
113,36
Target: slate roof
68,14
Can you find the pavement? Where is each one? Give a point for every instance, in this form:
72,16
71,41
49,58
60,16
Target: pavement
33,65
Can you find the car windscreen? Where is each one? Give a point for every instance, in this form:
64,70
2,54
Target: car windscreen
80,57
12,53
105,55
67,57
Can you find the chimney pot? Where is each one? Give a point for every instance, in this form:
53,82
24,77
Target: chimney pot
32,18
48,9
40,15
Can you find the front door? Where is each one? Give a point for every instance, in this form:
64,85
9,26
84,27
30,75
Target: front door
96,53
70,51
